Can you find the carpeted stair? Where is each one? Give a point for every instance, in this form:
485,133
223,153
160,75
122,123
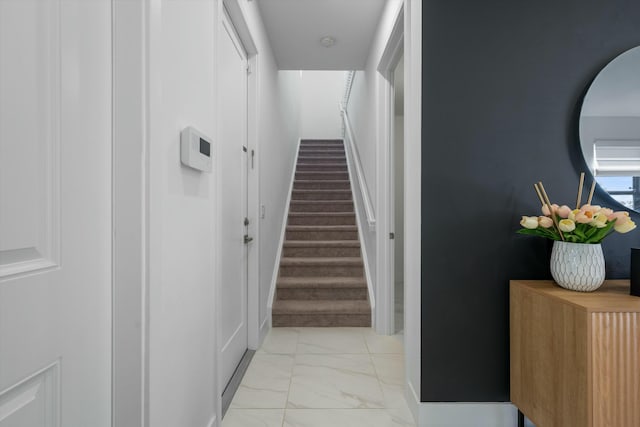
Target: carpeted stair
321,278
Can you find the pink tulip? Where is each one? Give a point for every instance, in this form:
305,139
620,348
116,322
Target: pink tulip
545,209
564,211
582,218
606,212
545,222
619,216
590,208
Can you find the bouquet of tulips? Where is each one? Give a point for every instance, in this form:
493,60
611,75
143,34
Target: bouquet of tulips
585,224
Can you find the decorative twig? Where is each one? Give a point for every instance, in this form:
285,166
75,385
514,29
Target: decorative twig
535,186
593,187
553,215
580,190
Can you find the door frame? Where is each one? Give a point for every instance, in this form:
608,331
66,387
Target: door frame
385,296
130,190
236,18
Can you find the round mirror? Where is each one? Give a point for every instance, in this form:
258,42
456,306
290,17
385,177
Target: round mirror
610,128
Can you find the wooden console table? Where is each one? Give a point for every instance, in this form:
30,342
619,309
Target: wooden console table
575,357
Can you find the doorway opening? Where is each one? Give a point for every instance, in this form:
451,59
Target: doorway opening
397,177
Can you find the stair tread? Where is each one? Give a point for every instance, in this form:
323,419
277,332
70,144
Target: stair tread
321,202
329,214
322,243
322,173
334,261
321,282
321,306
322,164
322,190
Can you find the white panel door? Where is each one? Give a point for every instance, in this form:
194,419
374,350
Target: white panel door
55,213
232,145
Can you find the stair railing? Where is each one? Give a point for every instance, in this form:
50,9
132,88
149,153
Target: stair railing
355,158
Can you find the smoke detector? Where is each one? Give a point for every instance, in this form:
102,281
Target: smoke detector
327,41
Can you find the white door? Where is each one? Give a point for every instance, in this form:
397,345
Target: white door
55,213
232,145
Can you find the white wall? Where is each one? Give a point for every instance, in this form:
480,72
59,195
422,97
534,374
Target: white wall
181,240
182,236
366,103
321,94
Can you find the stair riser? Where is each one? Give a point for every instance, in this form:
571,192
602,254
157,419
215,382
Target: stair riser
320,252
322,320
320,153
321,195
321,271
322,294
322,160
322,235
320,185
322,176
322,220
302,206
321,168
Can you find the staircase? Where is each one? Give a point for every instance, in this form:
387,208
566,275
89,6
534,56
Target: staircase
321,278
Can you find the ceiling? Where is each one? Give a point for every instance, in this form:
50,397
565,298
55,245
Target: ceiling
295,27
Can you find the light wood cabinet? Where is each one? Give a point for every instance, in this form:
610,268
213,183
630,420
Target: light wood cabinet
575,357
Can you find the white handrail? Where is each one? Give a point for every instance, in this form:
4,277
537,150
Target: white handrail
355,156
347,90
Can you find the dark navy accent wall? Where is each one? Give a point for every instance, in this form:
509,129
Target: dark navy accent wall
502,87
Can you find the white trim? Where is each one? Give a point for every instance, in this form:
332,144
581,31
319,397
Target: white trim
253,206
462,414
212,422
394,47
393,51
413,189
351,161
130,201
276,268
362,181
412,397
236,18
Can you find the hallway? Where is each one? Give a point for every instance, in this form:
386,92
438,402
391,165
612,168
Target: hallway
319,377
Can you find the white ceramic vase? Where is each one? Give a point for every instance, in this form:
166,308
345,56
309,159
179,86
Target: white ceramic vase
577,266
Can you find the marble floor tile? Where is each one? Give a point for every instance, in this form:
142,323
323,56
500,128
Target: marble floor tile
266,382
280,341
253,418
334,381
332,341
393,344
390,371
343,418
389,368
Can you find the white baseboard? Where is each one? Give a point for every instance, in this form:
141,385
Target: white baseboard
264,330
462,414
213,422
274,277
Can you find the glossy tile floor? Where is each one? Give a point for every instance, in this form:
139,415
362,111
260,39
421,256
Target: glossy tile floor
320,377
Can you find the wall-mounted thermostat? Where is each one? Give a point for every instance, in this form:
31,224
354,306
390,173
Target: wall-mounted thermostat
195,149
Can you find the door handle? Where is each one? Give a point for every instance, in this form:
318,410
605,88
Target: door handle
247,239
